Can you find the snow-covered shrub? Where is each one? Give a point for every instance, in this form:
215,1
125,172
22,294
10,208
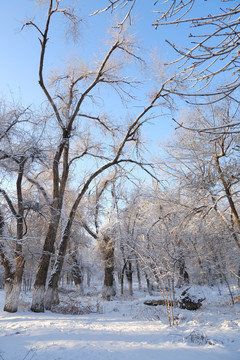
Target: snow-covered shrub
199,338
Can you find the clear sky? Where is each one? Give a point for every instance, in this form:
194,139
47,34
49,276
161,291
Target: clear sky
20,49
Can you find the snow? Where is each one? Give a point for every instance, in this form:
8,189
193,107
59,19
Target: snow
122,329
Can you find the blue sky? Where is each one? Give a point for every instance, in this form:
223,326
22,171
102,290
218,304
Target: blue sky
20,49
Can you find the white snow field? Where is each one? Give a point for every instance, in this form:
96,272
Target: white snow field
123,329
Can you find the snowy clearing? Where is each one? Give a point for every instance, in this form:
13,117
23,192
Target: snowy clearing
123,329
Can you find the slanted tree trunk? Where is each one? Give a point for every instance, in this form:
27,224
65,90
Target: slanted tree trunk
42,271
51,296
109,288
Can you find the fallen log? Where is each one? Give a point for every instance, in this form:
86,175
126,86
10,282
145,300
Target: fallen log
157,302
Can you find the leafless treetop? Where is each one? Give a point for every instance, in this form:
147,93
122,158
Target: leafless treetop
215,39
214,47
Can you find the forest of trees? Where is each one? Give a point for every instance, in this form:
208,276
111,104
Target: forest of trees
80,197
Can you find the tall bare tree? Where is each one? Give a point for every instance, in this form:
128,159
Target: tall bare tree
68,96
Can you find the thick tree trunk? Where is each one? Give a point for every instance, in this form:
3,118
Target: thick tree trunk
109,288
42,271
51,293
13,286
59,185
12,292
51,297
13,278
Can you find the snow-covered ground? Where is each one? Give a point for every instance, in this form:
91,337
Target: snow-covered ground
122,329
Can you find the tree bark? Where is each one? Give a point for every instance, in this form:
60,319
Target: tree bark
138,276
13,277
13,287
122,277
183,275
109,289
57,268
77,275
149,285
42,271
227,189
129,273
239,276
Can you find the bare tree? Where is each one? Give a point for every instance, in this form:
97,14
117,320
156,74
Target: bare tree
18,150
104,235
130,232
67,97
207,164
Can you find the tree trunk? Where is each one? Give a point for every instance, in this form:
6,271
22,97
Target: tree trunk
13,286
56,273
122,282
138,276
77,275
12,292
42,271
88,277
149,285
13,278
129,273
183,275
51,297
122,277
239,276
109,288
